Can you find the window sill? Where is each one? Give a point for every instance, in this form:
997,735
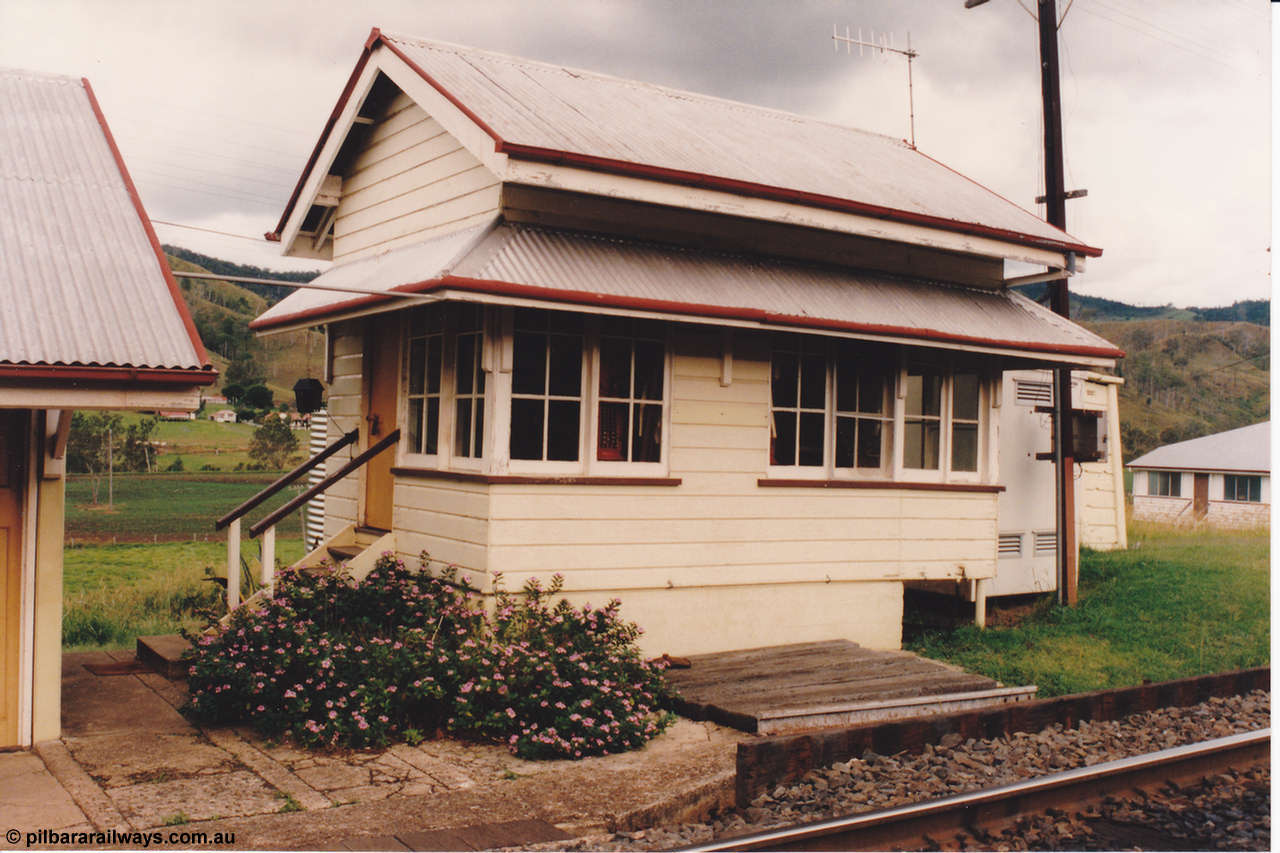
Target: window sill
523,479
779,483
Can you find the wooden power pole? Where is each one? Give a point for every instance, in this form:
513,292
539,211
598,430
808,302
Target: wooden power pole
1055,193
1055,198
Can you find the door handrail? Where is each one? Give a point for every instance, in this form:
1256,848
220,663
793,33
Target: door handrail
274,518
286,479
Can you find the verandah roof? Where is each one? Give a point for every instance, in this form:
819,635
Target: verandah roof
518,263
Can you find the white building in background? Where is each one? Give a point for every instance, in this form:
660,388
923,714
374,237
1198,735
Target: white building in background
224,416
1222,479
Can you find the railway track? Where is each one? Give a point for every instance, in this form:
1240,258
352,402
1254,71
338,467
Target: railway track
920,825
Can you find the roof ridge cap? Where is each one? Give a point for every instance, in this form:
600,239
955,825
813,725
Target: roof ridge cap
642,84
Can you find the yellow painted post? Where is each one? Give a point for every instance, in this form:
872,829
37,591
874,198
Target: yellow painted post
233,565
268,555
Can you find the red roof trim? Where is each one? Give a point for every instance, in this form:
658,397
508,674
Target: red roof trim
435,84
80,373
583,297
676,176
774,193
178,302
375,35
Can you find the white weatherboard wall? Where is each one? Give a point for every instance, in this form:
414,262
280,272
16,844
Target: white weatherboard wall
715,563
411,181
346,411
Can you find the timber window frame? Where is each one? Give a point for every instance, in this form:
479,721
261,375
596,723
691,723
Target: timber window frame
641,398
1164,484
441,341
1242,488
872,402
944,413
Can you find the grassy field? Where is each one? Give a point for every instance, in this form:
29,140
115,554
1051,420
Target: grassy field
169,507
1177,603
114,593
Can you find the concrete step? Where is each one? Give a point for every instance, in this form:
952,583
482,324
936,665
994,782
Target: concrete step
163,653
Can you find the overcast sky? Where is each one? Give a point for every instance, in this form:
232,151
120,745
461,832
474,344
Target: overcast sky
1167,106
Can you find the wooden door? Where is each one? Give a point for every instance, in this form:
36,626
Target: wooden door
1201,504
13,443
382,383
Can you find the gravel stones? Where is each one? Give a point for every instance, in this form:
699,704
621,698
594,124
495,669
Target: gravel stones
955,766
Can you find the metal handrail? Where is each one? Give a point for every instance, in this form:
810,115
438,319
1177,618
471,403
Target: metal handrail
285,480
274,518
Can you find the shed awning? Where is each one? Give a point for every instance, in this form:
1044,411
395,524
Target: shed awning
520,264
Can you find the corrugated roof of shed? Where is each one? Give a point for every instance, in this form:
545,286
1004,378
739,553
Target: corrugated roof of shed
82,279
539,111
514,260
1244,449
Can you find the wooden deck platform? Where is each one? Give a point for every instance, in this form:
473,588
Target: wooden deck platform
835,682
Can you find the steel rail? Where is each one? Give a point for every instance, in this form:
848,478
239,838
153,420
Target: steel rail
906,826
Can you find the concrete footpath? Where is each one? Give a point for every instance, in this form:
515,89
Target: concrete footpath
129,762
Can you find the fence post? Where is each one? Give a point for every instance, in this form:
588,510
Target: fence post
233,565
268,555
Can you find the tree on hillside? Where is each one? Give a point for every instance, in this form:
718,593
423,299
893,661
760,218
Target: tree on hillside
273,444
88,445
259,397
244,372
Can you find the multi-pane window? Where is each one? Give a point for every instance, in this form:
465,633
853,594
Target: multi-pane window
862,413
965,396
546,385
632,365
1164,483
426,356
840,412
922,424
1237,487
468,423
799,388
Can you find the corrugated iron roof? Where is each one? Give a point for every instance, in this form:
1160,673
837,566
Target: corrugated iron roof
607,272
1244,449
82,278
545,112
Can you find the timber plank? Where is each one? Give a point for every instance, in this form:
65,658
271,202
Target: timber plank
737,688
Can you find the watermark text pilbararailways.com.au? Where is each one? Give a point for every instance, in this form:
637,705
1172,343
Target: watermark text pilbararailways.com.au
112,838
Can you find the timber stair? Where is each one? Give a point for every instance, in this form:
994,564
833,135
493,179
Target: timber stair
365,537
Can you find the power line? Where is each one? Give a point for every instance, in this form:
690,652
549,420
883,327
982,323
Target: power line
206,230
1152,35
174,188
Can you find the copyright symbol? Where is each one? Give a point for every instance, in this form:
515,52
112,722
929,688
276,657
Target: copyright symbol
13,836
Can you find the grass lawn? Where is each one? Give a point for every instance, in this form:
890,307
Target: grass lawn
1177,603
114,593
169,507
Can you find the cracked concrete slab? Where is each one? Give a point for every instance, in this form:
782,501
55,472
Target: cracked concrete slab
194,798
126,758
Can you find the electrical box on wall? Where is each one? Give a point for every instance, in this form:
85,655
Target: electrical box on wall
1089,435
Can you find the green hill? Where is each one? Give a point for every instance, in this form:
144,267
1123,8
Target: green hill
222,310
1188,378
1085,307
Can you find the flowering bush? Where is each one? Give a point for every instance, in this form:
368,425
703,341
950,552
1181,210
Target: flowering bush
338,663
334,662
559,682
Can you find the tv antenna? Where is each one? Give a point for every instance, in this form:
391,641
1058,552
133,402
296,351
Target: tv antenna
883,44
